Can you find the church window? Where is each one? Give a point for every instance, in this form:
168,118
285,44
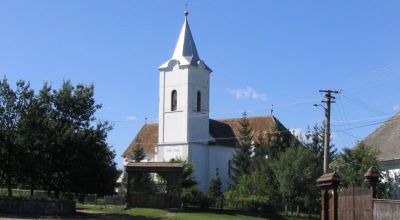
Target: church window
174,100
198,101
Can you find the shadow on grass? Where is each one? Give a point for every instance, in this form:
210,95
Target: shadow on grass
108,216
80,215
268,215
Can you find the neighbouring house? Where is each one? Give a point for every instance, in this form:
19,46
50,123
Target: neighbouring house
386,139
184,129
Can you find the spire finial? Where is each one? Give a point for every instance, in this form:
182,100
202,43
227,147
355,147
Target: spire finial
186,12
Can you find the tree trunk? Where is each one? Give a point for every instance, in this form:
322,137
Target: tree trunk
32,187
297,211
57,193
9,187
286,209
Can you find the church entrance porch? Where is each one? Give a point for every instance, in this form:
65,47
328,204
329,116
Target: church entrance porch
171,172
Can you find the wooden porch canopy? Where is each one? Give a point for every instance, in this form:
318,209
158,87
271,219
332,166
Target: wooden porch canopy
153,167
171,172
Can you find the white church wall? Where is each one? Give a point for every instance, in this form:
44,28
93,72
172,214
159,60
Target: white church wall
198,155
219,157
198,126
168,152
173,124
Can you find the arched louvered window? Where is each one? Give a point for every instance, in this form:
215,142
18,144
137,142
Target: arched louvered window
174,100
198,101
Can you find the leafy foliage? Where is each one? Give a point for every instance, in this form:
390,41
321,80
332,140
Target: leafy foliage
52,141
141,182
296,179
187,179
352,164
138,153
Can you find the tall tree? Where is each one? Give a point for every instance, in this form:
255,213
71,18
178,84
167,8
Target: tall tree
314,140
9,117
277,140
241,161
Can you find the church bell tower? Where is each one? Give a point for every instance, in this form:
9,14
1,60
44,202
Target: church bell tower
183,99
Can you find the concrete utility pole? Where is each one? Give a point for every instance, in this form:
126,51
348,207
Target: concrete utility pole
328,101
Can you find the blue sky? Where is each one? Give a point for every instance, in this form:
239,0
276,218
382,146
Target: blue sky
262,53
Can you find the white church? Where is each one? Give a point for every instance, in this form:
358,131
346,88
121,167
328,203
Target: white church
184,129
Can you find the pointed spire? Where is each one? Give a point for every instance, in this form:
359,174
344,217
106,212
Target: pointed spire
185,47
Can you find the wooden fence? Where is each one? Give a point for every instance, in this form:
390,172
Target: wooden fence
355,203
386,209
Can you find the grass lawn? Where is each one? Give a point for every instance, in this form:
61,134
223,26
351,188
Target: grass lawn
210,216
163,214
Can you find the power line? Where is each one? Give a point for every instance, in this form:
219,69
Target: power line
362,103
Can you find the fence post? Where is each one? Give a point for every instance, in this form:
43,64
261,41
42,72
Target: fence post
372,179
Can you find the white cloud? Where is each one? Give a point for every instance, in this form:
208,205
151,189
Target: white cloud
131,118
396,108
247,93
108,107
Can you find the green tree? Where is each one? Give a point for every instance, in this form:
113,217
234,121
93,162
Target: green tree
9,151
141,182
52,140
296,173
252,190
30,135
138,152
187,180
352,164
241,160
215,187
277,140
314,140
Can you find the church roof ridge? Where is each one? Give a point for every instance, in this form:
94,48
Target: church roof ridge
252,117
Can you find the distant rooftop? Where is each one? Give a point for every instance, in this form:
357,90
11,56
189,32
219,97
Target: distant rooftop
386,139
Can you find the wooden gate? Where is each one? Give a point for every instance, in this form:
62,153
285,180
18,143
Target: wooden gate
355,203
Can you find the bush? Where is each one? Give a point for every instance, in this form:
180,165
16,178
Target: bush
194,197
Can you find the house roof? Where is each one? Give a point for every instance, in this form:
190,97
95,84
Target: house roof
223,131
386,139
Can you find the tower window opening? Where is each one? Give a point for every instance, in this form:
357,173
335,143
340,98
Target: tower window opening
198,101
174,100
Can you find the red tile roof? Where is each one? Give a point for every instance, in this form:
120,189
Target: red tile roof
224,132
